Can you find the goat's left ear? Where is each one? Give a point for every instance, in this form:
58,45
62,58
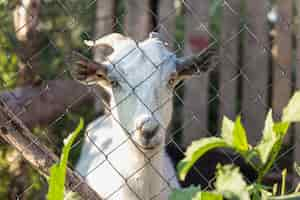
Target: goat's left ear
193,65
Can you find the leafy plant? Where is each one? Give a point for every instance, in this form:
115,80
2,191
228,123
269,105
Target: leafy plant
56,180
229,181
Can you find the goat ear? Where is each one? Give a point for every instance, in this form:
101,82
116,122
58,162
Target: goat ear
88,71
105,49
192,65
107,43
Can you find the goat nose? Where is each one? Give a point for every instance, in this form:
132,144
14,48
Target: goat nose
147,127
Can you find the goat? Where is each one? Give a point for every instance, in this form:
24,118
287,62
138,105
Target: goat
123,155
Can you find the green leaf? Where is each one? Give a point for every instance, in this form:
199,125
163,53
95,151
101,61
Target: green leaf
269,138
230,183
56,184
240,141
281,128
184,194
195,151
208,196
227,130
291,112
235,134
58,171
194,193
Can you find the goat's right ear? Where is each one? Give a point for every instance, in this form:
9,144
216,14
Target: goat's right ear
107,43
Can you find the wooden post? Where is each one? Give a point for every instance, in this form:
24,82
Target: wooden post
297,126
167,22
282,59
138,17
229,56
195,108
255,69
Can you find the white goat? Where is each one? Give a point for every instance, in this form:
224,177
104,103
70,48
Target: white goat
123,155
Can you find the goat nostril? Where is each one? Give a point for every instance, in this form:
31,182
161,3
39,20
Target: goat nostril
147,128
148,134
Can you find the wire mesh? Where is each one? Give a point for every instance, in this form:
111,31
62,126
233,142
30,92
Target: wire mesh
241,78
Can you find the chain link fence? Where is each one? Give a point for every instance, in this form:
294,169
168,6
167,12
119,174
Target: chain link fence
256,68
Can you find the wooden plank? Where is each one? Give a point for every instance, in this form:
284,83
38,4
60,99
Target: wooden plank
196,89
297,126
255,69
229,55
138,19
282,60
167,22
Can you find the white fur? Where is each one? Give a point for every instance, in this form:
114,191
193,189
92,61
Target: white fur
110,152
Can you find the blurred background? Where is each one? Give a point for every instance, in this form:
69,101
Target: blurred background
257,68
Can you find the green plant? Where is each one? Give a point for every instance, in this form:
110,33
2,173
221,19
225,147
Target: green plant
229,182
56,180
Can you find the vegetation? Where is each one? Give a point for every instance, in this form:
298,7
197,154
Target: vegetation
58,171
230,183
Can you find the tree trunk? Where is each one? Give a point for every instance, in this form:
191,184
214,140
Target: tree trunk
26,19
40,105
255,70
138,19
229,53
195,110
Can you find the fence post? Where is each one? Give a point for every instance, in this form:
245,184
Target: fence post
195,109
282,59
167,22
255,68
138,17
297,126
229,54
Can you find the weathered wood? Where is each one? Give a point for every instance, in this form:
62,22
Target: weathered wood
40,105
297,126
196,89
229,56
167,22
282,60
138,17
13,131
255,68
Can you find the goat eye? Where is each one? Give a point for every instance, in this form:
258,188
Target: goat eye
99,75
171,81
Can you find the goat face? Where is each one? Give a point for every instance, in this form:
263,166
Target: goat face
139,78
